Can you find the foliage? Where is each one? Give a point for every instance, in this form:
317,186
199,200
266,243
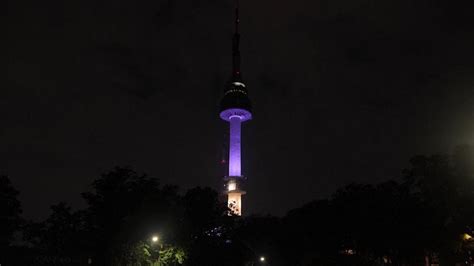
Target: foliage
171,256
61,234
125,207
399,223
10,207
136,254
420,216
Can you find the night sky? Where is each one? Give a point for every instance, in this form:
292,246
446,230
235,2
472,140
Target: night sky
343,91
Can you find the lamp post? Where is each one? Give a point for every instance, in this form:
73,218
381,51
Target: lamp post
155,248
257,261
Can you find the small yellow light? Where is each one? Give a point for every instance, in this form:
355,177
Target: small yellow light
154,239
466,237
262,259
232,186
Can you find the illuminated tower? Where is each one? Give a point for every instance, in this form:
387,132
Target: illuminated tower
235,108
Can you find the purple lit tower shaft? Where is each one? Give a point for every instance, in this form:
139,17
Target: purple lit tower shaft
234,146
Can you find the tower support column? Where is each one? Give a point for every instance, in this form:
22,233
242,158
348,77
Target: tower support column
234,146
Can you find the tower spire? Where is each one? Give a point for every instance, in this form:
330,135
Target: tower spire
236,75
237,16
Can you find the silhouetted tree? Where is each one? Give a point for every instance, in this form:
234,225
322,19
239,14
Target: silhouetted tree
61,239
260,235
10,211
125,208
203,210
445,185
10,220
391,223
209,230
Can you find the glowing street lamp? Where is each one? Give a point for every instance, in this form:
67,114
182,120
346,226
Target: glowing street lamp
262,259
154,239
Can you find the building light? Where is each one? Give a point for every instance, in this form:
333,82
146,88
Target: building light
466,237
238,84
232,186
236,90
348,251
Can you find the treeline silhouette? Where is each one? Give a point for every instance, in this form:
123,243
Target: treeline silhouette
423,218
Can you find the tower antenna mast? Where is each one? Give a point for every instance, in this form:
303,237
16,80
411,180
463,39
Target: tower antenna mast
235,46
237,16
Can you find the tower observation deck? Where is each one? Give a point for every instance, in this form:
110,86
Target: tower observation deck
235,108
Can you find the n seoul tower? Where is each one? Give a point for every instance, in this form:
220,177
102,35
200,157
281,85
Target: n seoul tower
235,108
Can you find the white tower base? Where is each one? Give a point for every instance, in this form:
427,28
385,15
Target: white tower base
234,202
234,196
